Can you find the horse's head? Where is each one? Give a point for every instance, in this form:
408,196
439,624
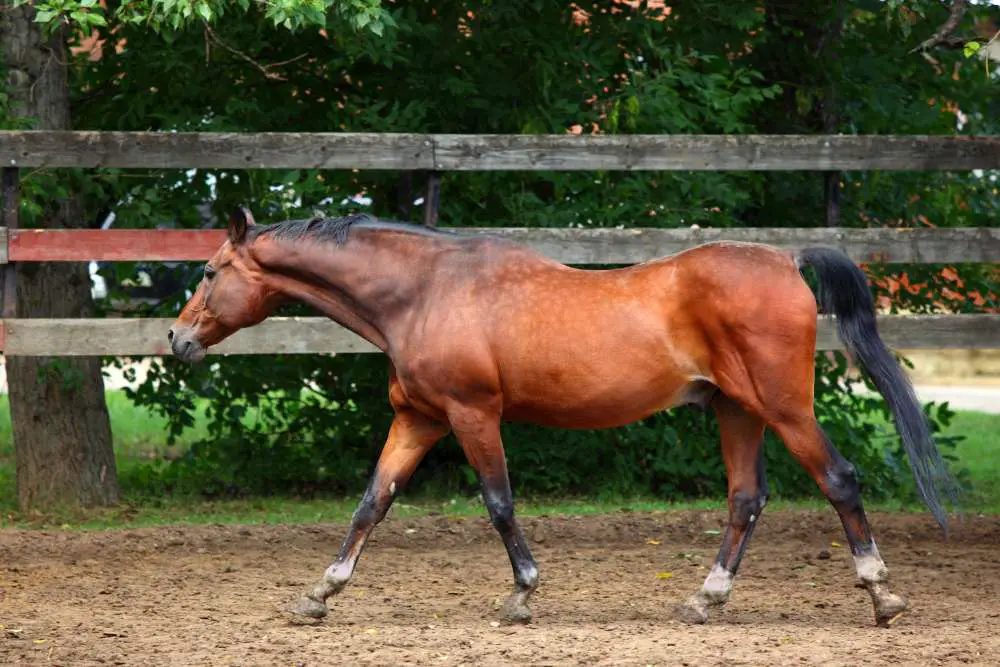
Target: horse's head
232,295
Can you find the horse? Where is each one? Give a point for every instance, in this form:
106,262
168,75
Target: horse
480,330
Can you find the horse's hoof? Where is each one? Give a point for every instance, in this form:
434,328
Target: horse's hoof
306,608
692,612
888,608
515,611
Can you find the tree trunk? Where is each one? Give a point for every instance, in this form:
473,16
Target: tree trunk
62,433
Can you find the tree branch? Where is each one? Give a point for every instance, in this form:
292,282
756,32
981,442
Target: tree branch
942,34
266,70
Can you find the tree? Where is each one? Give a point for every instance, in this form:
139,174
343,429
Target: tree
62,433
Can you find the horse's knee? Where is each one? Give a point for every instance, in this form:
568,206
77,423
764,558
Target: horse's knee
745,506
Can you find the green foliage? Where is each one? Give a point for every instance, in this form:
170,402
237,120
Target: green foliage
316,423
169,16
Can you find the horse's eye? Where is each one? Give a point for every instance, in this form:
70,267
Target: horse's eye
209,272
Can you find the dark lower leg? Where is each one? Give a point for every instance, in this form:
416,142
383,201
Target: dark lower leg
743,453
745,508
370,511
500,505
410,437
838,481
478,432
840,485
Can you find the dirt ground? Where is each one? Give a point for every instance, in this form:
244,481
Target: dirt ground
426,590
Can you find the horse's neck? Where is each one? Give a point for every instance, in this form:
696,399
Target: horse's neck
362,285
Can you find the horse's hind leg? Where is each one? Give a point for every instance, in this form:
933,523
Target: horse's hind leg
835,476
743,453
411,436
478,431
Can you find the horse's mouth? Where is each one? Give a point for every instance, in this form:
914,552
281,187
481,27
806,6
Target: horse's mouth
191,352
186,349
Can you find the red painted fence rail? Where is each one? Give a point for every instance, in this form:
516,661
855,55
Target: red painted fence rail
113,245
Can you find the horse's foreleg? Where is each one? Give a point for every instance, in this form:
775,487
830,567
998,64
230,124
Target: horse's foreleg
410,437
743,453
479,435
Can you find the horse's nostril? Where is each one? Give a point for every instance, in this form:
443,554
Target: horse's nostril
170,336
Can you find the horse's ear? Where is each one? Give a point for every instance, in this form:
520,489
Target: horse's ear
238,223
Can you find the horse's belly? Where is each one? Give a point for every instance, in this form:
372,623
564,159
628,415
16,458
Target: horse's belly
597,400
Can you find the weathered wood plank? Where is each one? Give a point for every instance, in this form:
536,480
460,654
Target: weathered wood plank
814,153
714,152
284,150
571,246
932,332
626,246
222,150
148,336
315,335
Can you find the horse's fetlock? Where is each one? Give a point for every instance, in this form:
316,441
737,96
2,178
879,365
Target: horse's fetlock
718,585
337,576
528,577
871,568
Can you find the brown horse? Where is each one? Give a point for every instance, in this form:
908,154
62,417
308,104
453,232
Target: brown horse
480,330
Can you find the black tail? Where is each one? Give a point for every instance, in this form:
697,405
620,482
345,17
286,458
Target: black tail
844,292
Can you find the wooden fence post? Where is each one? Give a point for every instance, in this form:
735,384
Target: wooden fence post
432,197
11,220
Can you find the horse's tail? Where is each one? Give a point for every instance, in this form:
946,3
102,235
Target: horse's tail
844,292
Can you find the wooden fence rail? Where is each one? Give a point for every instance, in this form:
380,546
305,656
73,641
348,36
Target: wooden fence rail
567,245
460,152
318,335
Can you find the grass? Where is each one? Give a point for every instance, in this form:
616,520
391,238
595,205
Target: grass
979,453
139,435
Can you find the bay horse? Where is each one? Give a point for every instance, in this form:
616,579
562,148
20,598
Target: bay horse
480,329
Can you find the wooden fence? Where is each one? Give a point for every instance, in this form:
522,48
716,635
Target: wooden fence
532,152
436,153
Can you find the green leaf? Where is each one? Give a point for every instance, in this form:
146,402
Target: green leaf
44,15
204,11
971,48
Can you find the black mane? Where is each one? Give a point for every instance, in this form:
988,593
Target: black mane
335,229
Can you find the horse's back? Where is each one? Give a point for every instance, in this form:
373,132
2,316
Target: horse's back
569,347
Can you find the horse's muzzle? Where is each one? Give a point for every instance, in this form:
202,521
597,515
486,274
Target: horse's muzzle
184,346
